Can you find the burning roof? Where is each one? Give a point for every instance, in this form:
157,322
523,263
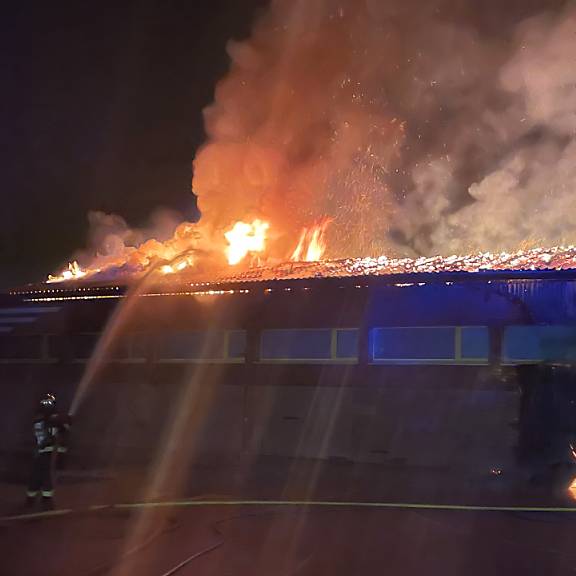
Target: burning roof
559,258
537,259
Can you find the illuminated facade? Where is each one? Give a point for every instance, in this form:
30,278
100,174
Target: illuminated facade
417,370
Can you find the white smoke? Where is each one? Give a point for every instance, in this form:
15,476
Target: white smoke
112,239
528,195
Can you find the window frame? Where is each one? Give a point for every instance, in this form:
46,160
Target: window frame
332,359
511,361
224,359
457,360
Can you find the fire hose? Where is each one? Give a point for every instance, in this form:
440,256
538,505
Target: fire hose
566,512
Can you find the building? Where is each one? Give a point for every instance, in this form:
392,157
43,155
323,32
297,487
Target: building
413,373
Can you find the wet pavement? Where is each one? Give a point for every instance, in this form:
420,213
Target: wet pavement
276,540
281,540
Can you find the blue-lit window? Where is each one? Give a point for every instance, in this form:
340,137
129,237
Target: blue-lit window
347,343
475,343
192,345
412,344
296,344
528,343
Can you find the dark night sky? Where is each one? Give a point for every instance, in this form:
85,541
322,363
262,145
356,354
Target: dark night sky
101,110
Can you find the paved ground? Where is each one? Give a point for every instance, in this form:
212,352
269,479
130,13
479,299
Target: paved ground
268,540
279,541
275,478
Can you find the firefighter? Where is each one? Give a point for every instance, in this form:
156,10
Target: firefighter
46,432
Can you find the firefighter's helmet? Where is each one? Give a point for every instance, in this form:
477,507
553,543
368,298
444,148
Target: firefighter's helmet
48,403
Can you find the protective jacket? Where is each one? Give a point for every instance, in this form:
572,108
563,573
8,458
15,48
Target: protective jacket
46,432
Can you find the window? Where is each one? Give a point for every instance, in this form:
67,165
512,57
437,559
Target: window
538,343
310,345
139,345
191,345
347,343
431,344
83,345
296,344
236,343
124,348
424,344
56,346
474,343
130,347
216,345
120,349
20,347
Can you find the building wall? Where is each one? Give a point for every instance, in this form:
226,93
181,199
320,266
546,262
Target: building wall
177,378
428,417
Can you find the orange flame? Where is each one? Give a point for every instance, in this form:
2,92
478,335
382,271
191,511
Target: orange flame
72,272
312,243
178,252
244,238
176,267
572,489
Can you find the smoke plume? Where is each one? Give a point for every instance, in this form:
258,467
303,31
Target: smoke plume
413,126
417,127
114,247
301,129
507,177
